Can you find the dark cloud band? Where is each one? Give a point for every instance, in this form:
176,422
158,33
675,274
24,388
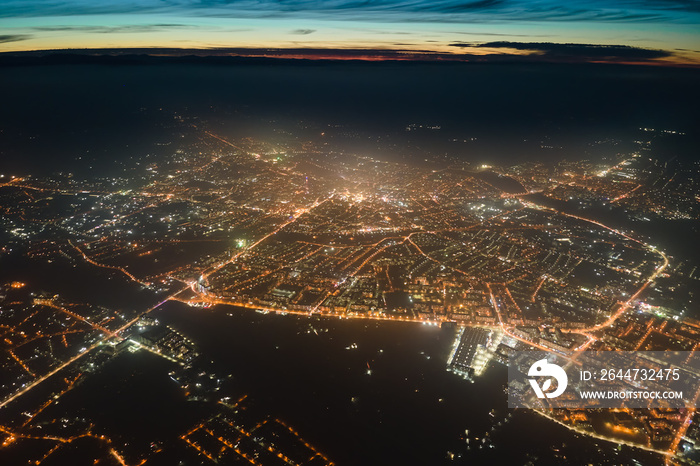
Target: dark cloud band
588,51
576,53
4,38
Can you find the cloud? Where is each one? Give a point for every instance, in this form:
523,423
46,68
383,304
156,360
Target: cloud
497,34
576,53
111,29
680,5
581,50
445,11
303,32
457,6
4,38
555,52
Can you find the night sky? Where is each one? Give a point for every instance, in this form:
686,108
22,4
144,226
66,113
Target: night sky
663,32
